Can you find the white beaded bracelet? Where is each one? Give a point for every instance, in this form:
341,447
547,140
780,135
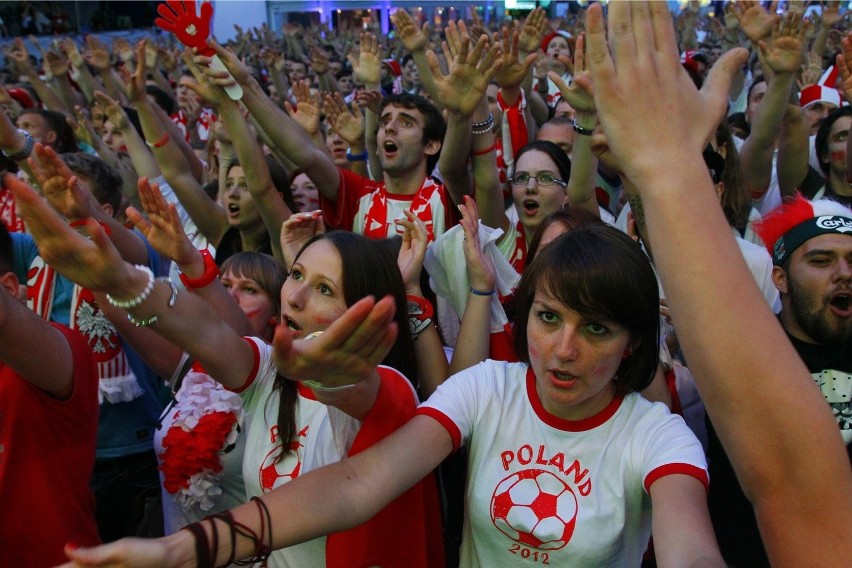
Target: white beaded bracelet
127,304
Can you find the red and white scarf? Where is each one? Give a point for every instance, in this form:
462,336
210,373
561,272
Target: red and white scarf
376,219
117,381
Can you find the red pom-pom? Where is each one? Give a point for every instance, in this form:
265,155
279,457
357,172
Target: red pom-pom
780,220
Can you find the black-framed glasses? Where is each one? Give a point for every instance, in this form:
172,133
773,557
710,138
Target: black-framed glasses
542,179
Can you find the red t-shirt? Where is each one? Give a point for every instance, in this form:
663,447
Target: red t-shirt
47,453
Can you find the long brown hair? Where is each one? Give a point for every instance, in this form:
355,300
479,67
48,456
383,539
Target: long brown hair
369,269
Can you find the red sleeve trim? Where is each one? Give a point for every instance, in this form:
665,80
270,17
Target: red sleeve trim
253,373
677,469
444,421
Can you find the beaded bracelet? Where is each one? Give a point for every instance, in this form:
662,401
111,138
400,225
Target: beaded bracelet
25,151
584,131
127,304
154,319
483,127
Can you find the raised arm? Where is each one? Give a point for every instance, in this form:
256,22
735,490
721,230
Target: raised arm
273,211
471,67
472,345
73,199
844,65
95,264
164,141
282,130
638,82
781,54
432,367
415,38
584,164
19,54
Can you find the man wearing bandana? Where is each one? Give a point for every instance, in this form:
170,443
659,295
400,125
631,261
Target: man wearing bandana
811,248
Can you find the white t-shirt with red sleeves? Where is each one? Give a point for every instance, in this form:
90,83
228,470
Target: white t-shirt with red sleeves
365,206
547,491
406,533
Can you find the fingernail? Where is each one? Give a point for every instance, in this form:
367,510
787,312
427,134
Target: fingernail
71,546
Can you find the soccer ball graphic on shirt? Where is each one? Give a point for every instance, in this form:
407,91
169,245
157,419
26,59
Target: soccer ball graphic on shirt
535,508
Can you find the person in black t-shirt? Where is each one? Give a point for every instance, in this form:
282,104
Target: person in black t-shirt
811,248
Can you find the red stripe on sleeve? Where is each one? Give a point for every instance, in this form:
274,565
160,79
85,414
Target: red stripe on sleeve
444,421
676,468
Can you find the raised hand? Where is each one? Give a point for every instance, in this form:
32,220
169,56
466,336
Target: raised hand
19,54
755,21
163,227
307,109
513,72
97,54
59,184
57,64
318,61
480,267
349,124
121,48
191,29
415,240
83,128
412,36
831,13
70,49
370,100
368,65
150,56
844,65
136,83
529,39
783,53
347,352
297,230
114,113
203,86
811,70
640,81
470,72
579,93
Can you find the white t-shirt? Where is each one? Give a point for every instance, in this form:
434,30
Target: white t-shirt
551,491
315,448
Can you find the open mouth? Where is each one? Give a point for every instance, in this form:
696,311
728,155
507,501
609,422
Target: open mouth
291,325
841,304
389,147
530,207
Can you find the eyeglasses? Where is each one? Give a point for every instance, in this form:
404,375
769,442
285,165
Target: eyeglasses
542,180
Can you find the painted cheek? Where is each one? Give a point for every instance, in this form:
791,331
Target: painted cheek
839,155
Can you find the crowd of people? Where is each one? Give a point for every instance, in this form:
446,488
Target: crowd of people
459,297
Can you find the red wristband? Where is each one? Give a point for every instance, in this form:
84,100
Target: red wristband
80,222
159,143
211,271
485,150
